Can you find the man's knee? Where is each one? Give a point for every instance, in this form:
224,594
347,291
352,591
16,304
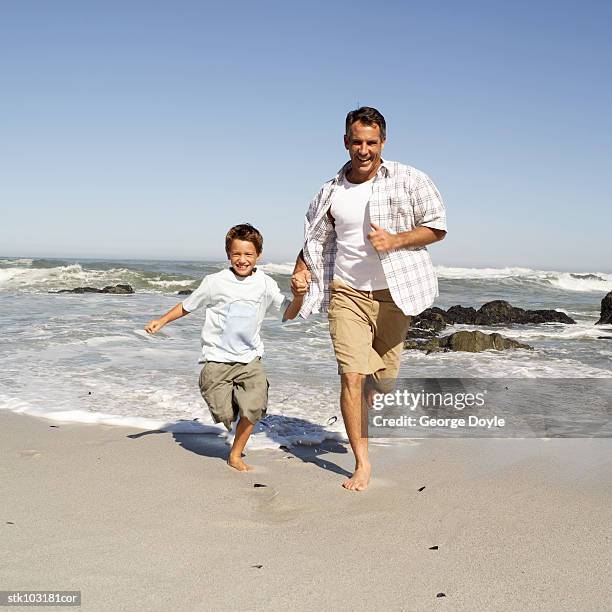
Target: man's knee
352,381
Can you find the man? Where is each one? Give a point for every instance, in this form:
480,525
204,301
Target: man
364,261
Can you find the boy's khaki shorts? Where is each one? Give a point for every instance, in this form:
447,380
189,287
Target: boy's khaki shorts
367,330
235,389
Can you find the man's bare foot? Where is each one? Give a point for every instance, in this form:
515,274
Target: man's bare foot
360,479
238,464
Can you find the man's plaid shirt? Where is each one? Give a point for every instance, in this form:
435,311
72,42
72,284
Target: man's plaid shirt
402,198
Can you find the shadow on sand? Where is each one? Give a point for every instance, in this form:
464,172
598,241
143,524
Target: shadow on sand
309,442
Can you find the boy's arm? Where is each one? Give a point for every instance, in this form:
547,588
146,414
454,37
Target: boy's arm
300,279
155,325
278,300
293,309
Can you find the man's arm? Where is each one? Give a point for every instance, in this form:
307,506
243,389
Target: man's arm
300,264
382,240
152,327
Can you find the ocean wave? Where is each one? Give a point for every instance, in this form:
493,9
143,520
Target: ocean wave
171,283
43,280
499,364
271,433
277,268
16,262
566,281
40,275
552,331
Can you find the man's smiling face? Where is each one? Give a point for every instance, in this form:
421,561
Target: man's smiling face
365,145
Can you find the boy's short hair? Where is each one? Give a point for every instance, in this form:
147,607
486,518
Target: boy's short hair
246,232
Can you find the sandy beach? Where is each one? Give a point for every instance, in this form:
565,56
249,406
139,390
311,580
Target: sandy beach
141,520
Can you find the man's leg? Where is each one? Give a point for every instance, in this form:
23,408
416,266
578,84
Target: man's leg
351,329
389,335
353,413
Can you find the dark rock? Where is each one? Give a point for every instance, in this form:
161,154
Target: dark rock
420,334
606,310
433,548
185,292
118,289
546,316
441,595
432,345
460,314
477,341
258,485
469,341
79,290
426,326
499,312
421,488
115,289
428,320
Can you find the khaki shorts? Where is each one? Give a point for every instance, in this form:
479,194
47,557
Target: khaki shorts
367,330
235,389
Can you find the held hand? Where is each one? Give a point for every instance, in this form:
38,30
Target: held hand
152,327
381,239
300,282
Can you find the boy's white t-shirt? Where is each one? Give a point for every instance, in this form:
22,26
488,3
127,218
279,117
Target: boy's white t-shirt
236,307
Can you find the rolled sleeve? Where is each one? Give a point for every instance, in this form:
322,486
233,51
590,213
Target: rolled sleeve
200,297
429,209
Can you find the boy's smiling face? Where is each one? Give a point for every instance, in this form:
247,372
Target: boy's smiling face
243,256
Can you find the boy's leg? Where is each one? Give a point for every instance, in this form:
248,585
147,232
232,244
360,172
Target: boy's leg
251,397
243,432
216,387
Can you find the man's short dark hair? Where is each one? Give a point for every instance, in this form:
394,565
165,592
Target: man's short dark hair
246,232
368,116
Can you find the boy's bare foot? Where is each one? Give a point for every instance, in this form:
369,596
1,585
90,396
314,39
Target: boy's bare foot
238,464
360,479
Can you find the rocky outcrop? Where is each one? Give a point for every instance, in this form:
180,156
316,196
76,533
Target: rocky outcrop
468,341
496,313
185,292
426,325
606,310
477,341
116,289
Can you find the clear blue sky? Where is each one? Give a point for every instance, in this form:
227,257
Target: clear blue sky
146,129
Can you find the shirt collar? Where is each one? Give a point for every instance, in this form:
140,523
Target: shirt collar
385,169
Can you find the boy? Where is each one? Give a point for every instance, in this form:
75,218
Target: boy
233,381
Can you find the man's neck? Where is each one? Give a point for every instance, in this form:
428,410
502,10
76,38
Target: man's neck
352,178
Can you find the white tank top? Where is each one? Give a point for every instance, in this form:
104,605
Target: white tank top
357,261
